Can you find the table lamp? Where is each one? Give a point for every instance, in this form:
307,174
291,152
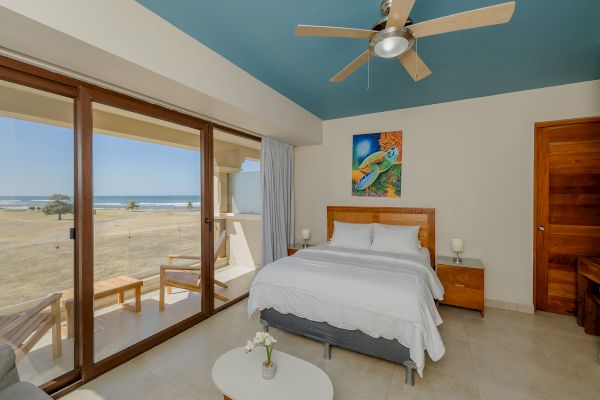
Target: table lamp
458,246
305,237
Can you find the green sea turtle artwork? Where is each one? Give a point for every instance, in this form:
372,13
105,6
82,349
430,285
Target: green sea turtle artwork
377,164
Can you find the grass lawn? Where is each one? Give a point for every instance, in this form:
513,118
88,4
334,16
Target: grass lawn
36,255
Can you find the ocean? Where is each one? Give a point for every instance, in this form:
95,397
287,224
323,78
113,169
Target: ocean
144,202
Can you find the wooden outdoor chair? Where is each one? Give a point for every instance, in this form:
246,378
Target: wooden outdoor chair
24,329
188,277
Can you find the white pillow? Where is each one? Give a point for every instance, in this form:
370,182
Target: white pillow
396,239
353,236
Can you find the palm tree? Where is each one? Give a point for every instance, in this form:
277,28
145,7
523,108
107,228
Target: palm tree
59,204
132,205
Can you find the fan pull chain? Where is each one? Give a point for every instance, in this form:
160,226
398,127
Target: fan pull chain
368,70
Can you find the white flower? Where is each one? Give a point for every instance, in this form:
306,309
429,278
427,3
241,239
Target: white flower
258,338
269,340
261,338
249,346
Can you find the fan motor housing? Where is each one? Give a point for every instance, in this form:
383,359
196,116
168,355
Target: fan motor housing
385,10
385,7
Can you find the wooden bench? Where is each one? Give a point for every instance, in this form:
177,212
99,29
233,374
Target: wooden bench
118,285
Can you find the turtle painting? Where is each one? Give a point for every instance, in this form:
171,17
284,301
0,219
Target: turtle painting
377,164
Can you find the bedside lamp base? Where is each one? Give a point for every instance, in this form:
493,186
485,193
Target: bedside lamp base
457,259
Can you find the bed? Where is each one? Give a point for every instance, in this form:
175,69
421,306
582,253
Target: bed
375,303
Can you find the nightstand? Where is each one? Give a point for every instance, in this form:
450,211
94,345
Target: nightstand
463,283
295,247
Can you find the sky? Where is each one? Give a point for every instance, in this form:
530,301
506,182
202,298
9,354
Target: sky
37,160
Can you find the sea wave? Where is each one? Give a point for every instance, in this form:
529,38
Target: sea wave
167,204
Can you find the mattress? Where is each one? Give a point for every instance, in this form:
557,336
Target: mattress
381,294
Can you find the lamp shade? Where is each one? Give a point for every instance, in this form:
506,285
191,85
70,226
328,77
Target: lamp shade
305,234
458,245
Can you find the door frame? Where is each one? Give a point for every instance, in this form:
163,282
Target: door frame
84,94
541,199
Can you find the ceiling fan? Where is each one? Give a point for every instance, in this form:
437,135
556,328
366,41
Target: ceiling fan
395,33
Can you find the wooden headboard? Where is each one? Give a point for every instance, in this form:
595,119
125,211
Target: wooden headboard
425,217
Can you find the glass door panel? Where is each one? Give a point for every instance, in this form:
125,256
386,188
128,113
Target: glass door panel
238,220
147,217
36,215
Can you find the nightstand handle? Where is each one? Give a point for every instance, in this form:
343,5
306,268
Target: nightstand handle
460,285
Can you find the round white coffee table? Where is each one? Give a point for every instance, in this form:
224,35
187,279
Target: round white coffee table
239,377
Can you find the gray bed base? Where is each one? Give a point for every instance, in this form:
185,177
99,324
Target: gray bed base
390,350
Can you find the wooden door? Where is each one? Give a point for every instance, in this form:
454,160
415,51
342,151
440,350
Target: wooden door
567,208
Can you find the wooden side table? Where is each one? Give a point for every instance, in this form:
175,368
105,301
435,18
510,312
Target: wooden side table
295,247
463,283
117,285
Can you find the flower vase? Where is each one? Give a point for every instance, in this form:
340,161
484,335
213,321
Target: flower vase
268,371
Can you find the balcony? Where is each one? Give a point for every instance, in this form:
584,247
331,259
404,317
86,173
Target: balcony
115,326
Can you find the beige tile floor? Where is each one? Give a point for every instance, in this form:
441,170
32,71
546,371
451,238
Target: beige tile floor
506,355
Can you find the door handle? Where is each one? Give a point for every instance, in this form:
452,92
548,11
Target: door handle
541,228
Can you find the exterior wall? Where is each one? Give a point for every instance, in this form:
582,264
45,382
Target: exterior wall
244,189
245,240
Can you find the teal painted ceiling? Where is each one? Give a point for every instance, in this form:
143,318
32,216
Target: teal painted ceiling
547,43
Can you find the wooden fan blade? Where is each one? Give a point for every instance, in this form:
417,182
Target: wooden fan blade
350,68
333,31
413,64
399,13
493,15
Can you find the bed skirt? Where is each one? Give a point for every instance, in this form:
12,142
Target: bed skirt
354,340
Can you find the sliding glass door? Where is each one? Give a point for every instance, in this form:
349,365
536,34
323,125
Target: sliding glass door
36,220
122,223
147,218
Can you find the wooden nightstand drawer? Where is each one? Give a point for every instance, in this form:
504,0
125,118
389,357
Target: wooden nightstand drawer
458,295
463,285
291,251
461,276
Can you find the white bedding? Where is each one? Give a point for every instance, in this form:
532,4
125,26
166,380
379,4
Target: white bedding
382,294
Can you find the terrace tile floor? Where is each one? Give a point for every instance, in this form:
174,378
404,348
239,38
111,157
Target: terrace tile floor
117,328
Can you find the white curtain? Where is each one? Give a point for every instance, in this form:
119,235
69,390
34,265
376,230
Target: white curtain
277,175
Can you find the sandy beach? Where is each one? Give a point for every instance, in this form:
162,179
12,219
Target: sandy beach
36,255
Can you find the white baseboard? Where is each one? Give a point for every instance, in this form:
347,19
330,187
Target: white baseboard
506,305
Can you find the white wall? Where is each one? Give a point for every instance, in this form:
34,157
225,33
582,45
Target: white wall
472,160
122,43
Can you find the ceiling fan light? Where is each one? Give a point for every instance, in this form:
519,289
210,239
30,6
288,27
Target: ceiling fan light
391,47
390,42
